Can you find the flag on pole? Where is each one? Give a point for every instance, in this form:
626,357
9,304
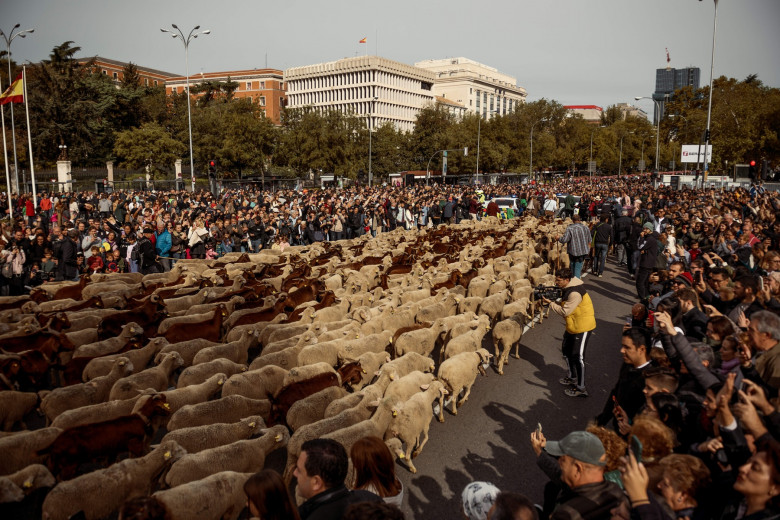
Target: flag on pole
14,93
362,41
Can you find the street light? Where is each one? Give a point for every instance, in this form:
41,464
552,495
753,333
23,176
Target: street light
590,162
531,162
709,104
186,41
658,132
8,39
620,161
370,132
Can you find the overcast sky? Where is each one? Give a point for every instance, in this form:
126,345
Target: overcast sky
598,52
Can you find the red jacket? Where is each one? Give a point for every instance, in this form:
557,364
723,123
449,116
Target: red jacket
30,209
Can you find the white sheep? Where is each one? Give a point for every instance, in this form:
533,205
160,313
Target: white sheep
195,393
101,493
370,362
407,364
256,384
96,391
507,334
228,409
405,387
174,305
186,349
198,373
34,476
236,351
535,274
413,420
109,346
14,406
21,449
312,408
468,342
139,358
301,340
459,373
219,496
245,456
492,305
157,378
199,438
422,341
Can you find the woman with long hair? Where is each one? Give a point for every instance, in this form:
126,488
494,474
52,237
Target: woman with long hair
268,498
375,470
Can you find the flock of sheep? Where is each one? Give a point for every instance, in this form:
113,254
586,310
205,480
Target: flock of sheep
177,386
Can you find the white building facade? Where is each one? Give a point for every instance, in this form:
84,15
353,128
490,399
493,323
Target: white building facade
480,88
379,89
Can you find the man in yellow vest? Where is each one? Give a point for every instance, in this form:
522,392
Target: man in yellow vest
576,308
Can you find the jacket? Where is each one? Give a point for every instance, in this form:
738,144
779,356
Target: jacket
332,503
648,250
589,501
67,265
576,308
163,243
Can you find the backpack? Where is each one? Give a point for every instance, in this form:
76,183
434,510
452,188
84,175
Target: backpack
56,249
136,256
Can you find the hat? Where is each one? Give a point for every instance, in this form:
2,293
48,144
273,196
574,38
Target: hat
477,499
648,225
684,278
583,446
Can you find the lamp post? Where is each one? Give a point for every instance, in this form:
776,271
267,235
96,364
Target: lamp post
370,132
8,39
186,41
620,160
658,132
479,129
531,161
590,161
709,104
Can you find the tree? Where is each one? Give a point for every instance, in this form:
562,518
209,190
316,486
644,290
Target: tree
247,137
148,147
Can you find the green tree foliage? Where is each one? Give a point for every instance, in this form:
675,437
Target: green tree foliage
149,147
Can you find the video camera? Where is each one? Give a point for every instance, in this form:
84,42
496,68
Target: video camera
550,292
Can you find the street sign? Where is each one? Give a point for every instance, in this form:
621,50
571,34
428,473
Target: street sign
591,166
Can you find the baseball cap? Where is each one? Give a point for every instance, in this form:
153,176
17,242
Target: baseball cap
583,446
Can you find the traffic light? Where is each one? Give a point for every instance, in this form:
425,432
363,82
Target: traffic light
212,169
752,169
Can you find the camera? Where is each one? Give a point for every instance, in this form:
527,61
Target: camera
549,292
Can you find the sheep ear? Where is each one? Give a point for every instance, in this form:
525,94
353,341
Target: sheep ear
424,387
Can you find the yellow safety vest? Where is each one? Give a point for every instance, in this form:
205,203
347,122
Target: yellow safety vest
583,319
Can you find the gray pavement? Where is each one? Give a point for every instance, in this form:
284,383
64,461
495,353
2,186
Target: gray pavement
489,438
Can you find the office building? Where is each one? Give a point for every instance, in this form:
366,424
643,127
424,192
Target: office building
590,113
669,80
480,88
115,70
376,88
263,86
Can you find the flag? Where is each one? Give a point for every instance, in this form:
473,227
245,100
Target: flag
14,93
362,41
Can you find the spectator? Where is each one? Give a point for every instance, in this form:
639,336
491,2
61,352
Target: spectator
648,255
375,470
67,265
577,236
512,506
320,470
602,240
162,245
373,511
477,498
268,497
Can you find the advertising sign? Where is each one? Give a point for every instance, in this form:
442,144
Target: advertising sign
690,153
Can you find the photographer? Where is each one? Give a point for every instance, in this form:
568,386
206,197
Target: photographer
577,309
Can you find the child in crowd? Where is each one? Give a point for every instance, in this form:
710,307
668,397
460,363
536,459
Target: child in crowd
111,265
48,265
95,261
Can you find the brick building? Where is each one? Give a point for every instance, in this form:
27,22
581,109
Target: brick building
115,70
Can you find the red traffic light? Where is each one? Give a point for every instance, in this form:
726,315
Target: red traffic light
212,163
752,163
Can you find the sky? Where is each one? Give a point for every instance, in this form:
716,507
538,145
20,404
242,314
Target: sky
576,52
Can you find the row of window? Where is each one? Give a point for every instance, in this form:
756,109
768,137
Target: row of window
116,78
354,78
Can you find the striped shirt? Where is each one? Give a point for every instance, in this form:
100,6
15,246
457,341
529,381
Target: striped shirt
578,238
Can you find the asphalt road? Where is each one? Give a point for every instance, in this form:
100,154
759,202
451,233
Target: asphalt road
489,438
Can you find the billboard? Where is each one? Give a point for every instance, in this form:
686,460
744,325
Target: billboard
690,153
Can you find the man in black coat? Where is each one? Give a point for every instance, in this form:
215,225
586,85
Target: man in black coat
622,234
648,254
147,253
67,268
321,470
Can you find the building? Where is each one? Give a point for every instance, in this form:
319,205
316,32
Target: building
480,88
116,71
379,89
669,80
590,113
263,86
457,110
630,110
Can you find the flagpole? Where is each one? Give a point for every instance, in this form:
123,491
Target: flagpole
29,135
5,157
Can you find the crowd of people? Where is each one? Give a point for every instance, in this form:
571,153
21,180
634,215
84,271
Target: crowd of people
691,428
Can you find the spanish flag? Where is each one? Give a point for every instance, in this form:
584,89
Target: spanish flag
14,93
362,41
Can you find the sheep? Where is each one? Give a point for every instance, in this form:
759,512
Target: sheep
198,373
157,377
75,396
282,331
186,349
256,384
217,496
370,363
95,413
228,409
243,456
312,408
520,307
139,358
347,329
21,450
230,305
492,305
101,493
199,438
302,340
34,476
287,358
174,305
413,420
404,388
430,313
374,343
415,296
535,274
480,285
195,393
83,337
468,342
422,341
110,346
10,492
459,373
236,351
497,287
14,406
407,364
506,334
469,304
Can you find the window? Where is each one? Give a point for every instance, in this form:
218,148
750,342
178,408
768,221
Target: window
116,75
249,85
262,101
105,72
262,85
155,83
146,82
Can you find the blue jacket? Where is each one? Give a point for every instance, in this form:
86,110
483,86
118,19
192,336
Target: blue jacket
163,243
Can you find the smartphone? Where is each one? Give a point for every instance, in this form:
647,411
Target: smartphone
538,429
761,283
697,277
629,321
635,446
